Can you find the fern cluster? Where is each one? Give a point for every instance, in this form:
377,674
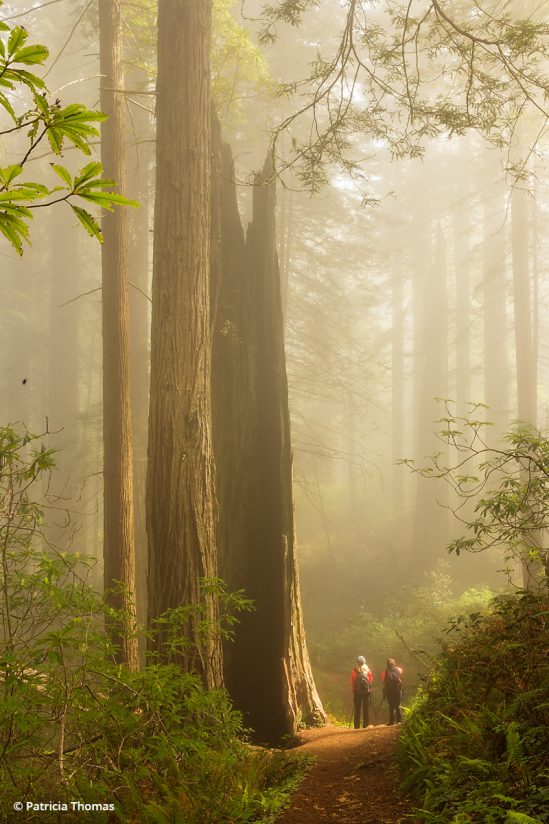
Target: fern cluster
475,743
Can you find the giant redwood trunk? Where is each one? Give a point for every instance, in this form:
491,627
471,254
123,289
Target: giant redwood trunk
180,478
119,549
267,667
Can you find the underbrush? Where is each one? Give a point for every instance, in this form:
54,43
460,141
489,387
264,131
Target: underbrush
406,625
80,733
475,742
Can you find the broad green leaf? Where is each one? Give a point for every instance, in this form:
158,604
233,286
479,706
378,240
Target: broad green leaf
88,221
107,200
14,229
63,173
16,194
32,81
8,173
55,139
87,173
17,39
39,188
31,55
7,106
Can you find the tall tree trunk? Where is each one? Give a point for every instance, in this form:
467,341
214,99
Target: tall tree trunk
462,232
397,383
181,510
431,351
496,367
526,367
253,455
119,549
139,185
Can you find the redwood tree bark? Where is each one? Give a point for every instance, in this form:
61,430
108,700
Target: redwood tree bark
119,549
181,508
254,464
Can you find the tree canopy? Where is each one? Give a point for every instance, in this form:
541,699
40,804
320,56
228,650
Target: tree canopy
401,73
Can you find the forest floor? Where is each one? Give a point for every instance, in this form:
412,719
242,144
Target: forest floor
353,779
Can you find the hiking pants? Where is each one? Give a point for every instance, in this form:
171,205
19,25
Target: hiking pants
362,702
395,710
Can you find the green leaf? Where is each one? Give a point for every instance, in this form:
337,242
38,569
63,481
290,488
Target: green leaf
14,229
55,139
88,221
39,188
7,106
8,173
20,193
22,76
63,173
31,55
88,172
107,200
17,39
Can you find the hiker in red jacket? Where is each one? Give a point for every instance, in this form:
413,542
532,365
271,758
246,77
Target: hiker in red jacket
392,690
361,684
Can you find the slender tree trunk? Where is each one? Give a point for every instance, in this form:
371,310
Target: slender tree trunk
431,520
139,184
397,383
496,367
462,232
181,508
119,549
526,367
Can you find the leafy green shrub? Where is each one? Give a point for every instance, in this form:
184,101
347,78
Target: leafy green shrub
474,746
75,724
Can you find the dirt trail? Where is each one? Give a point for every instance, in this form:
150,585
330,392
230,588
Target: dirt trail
353,780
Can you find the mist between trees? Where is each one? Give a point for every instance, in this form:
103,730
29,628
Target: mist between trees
354,237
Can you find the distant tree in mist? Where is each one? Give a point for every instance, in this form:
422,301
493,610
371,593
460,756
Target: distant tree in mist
118,506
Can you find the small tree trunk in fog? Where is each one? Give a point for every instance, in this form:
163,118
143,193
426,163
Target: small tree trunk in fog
62,403
430,534
525,335
462,232
496,368
524,320
180,479
253,456
397,383
119,550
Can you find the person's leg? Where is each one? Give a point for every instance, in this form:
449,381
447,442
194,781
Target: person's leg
366,710
356,699
391,702
399,709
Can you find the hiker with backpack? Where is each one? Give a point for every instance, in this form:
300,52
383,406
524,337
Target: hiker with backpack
392,690
361,684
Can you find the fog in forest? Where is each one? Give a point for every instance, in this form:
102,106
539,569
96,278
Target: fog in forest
412,292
